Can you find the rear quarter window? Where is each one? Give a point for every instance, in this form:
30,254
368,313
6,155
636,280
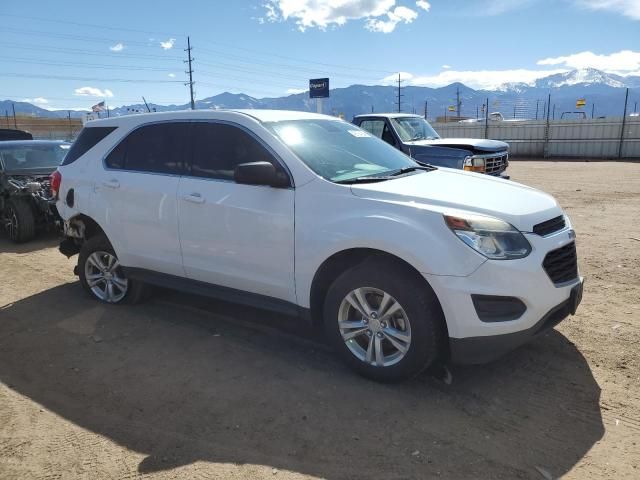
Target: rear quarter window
89,137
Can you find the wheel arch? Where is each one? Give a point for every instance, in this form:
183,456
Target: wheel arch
344,260
83,227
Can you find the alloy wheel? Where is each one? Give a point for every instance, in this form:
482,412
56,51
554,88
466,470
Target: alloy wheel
374,326
104,276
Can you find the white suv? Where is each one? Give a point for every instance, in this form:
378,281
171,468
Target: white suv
403,264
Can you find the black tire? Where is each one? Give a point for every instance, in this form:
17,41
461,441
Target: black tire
416,298
136,291
20,221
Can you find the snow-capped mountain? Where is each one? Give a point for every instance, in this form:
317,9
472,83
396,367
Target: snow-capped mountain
585,76
603,92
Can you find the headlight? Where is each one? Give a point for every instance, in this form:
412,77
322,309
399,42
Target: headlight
489,236
472,164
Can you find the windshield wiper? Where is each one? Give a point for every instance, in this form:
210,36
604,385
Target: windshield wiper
363,180
402,171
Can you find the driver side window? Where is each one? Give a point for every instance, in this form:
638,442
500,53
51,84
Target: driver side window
380,129
219,148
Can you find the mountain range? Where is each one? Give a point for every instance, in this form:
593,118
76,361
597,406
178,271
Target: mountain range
603,92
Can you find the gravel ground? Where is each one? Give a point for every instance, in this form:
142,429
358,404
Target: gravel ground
184,387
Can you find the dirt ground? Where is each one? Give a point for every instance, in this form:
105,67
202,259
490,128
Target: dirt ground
184,387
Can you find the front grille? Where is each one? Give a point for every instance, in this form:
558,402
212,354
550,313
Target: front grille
495,165
561,264
550,226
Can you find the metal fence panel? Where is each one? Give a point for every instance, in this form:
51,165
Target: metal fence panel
588,138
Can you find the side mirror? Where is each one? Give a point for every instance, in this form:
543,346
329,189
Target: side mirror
260,173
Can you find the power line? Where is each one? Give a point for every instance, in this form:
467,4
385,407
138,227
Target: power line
40,48
260,53
91,65
300,60
66,36
101,79
92,25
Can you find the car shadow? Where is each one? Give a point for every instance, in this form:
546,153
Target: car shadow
182,379
42,240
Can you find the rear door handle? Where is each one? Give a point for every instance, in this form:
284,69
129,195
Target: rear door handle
194,198
113,183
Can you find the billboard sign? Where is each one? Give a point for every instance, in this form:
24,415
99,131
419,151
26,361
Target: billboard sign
319,88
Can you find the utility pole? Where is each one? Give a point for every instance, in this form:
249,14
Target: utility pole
547,129
426,109
486,119
554,111
70,127
537,104
593,109
15,124
399,94
514,110
458,102
624,123
190,72
635,107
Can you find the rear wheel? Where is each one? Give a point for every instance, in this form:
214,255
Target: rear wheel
385,322
102,276
19,220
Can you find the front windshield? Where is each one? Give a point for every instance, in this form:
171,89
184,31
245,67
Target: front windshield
25,157
414,128
339,151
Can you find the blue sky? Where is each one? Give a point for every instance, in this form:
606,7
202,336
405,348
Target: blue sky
73,54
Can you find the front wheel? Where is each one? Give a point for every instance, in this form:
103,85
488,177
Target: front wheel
384,321
102,276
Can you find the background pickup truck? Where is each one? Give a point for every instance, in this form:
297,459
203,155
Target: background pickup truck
414,136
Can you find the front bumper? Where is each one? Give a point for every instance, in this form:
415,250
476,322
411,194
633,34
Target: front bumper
475,350
524,280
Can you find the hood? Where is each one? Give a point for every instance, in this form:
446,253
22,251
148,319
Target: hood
476,145
521,206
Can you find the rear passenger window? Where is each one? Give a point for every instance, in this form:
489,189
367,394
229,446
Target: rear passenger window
218,148
158,148
89,137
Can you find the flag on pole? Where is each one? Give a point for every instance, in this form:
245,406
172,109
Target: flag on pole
98,107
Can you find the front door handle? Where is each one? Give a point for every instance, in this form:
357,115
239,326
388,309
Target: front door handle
194,198
113,183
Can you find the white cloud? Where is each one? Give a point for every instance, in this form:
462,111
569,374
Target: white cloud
380,15
629,8
623,62
426,6
294,91
36,101
168,45
479,79
118,47
172,75
398,15
93,92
